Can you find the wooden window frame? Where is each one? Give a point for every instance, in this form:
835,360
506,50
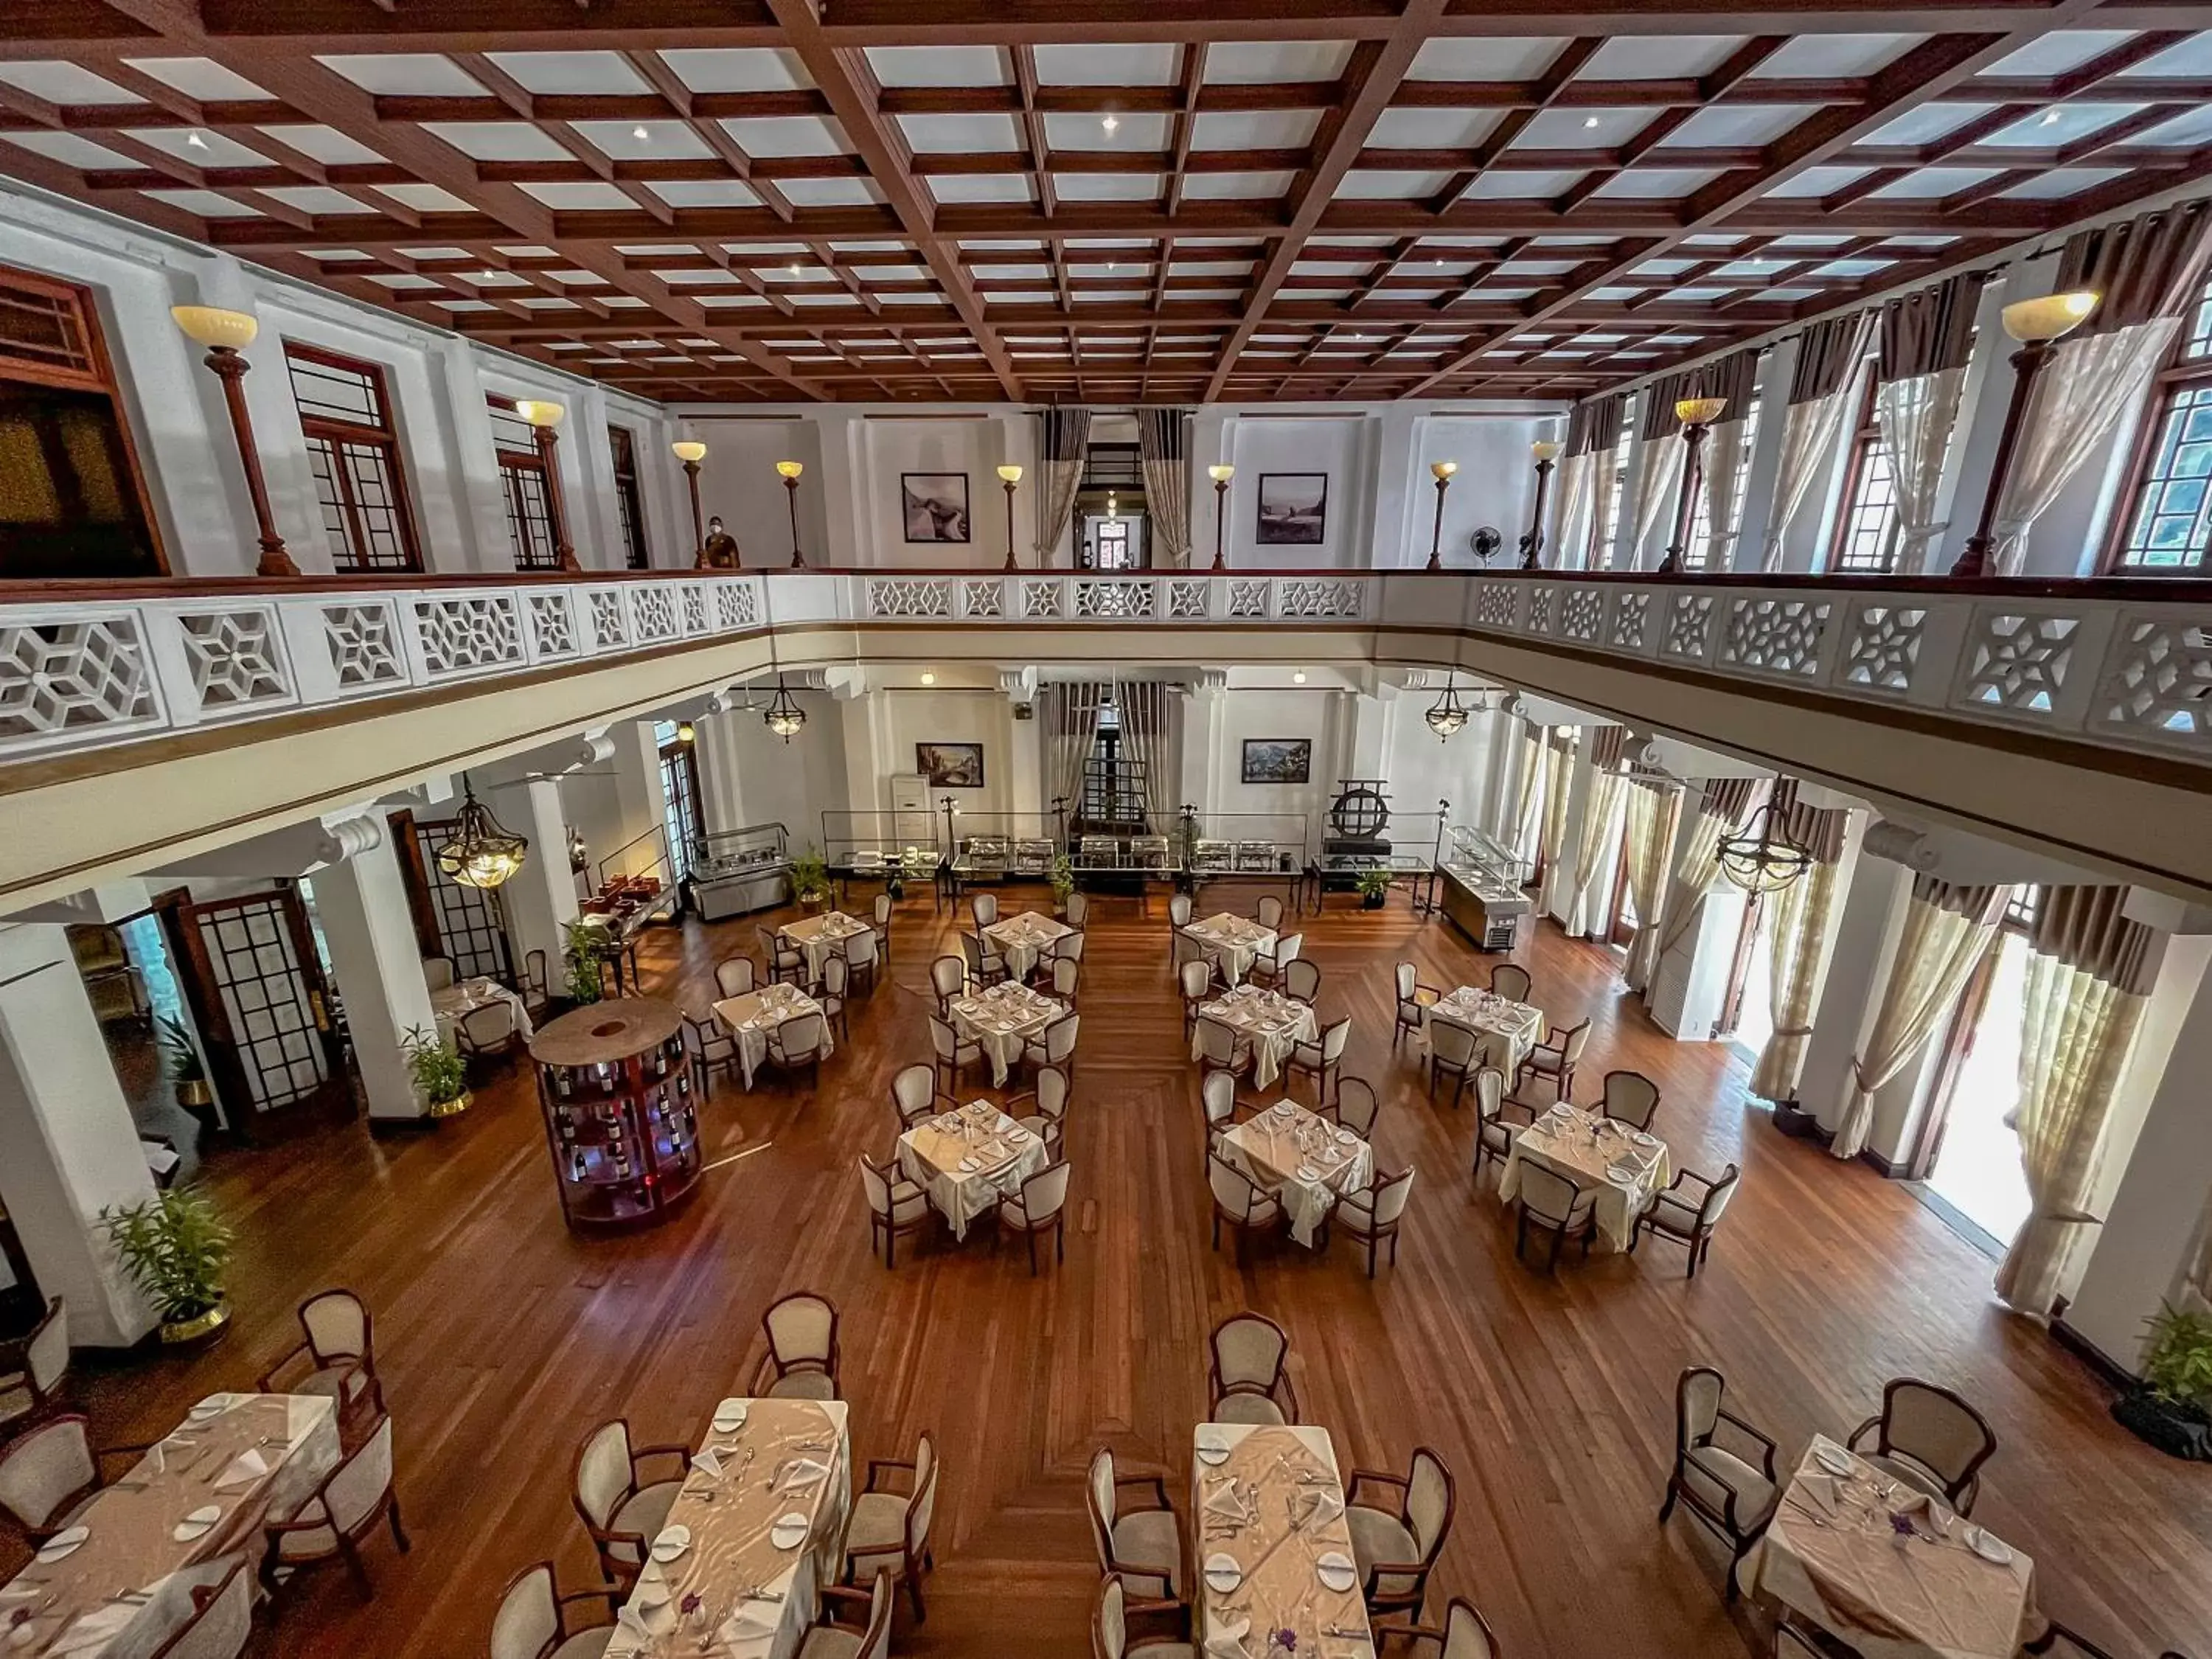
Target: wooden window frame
513,462
1866,437
2180,374
99,378
383,438
629,497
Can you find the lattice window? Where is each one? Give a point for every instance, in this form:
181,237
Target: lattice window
363,651
983,597
234,658
470,633
73,676
2167,526
552,624
526,487
925,596
1103,598
353,448
2160,683
2019,662
470,934
1866,526
1884,647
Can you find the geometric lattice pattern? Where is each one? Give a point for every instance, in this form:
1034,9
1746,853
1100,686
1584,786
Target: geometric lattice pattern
983,597
1497,604
1581,611
734,604
1106,598
607,624
1247,599
1884,646
655,612
1321,598
552,624
1689,624
470,633
65,677
1040,598
1629,611
1778,637
233,662
926,596
2019,662
363,651
1188,600
2160,683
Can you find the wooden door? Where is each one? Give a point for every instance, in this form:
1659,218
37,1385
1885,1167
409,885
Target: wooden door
258,995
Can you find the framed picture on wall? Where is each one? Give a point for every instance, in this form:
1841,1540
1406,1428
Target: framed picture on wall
1293,509
1279,760
934,505
950,765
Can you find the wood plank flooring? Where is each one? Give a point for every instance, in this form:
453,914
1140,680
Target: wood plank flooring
502,1338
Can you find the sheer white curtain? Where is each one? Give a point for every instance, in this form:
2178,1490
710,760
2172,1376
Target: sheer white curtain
1063,446
1797,951
1654,809
1808,440
1726,455
1605,501
1601,824
1162,458
1146,709
1551,837
1574,496
1653,500
1947,929
1525,814
1916,418
1726,805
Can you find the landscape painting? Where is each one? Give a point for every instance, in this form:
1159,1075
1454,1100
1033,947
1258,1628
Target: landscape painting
1293,509
1278,760
950,765
934,505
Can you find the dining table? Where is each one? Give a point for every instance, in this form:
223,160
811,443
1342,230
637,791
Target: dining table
1306,1162
1001,1019
1273,1023
1624,1165
756,1531
1888,1570
1232,941
968,1160
750,1019
1504,1030
1275,1555
174,1523
450,1003
1024,936
819,938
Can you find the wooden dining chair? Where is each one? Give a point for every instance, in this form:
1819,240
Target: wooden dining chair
50,1473
735,976
1510,980
1302,980
1493,1133
1240,1202
1555,1061
1320,1059
1143,1545
954,1054
33,1384
1929,1438
786,961
623,1508
1687,1211
1221,1048
1455,1052
800,1040
338,1342
896,1208
709,1044
1371,1214
801,1361
1415,1001
1394,1543
1358,1106
1055,1044
948,978
1464,1634
1039,1208
534,1622
858,952
1561,1209
914,1095
218,1622
334,1522
1730,1487
1194,980
889,1533
835,994
1268,912
1247,1375
1217,1097
1628,1097
1116,1607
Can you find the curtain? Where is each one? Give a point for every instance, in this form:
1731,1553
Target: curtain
1725,807
2088,977
1594,430
1600,815
1164,458
1145,706
1574,490
1559,776
1654,809
1828,356
1947,929
1920,369
1525,819
1063,446
1804,916
1070,709
1655,491
1731,378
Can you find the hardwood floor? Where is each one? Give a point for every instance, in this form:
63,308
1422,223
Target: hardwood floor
502,1338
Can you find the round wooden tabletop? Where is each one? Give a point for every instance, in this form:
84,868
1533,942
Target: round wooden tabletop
599,1032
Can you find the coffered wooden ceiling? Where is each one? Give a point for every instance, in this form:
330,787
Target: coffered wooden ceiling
1121,200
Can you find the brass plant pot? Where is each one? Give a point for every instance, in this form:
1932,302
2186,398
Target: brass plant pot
193,1093
199,1330
454,1107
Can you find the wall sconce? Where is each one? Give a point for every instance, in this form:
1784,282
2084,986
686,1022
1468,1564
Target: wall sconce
789,471
225,333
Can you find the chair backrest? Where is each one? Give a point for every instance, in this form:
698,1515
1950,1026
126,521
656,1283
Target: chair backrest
1044,1194
42,1467
734,976
1109,1625
1045,1129
1059,1037
1717,1197
437,972
337,1326
1217,1094
772,943
943,1038
1357,1105
914,1090
876,1641
1232,1187
883,911
1302,979
1334,1039
529,1617
1287,949
488,1023
948,976
358,1485
1574,1041
802,1330
1099,1502
984,906
1179,910
46,1354
1408,978
1197,976
1248,1351
604,1472
860,949
922,1506
1429,1499
1270,911
1698,1394
837,973
1489,1093
1933,1426
1067,972
534,966
1551,1195
971,955
1187,950
1511,981
1467,1632
1630,1098
1077,908
1217,1042
1390,1198
1070,945
801,1033
1052,1091
1452,1044
221,1621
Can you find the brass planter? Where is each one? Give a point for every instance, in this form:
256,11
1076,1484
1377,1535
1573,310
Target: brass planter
200,1329
454,1107
194,1093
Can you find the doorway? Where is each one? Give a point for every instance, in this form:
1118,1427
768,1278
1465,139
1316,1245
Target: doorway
1969,1155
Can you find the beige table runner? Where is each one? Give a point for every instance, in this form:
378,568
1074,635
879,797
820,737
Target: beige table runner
1505,1030
1271,1021
1276,1506
818,937
1276,1149
1842,1567
1004,1155
750,1017
1024,936
1003,1019
1232,940
210,1459
1625,1166
702,1596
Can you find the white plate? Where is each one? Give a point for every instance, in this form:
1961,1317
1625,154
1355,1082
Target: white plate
790,1530
196,1523
64,1542
969,1164
1344,1137
1223,1575
1213,1450
1336,1571
1992,1549
214,1406
653,1591
1834,1460
672,1543
730,1414
1307,1172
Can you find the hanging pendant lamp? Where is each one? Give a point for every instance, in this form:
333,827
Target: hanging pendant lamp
480,853
1765,857
1450,713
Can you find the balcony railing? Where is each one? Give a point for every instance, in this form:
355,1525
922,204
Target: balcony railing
2120,665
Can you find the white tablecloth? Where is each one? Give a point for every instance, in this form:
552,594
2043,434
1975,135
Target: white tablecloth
1275,1505
1024,936
1303,1161
1231,940
1624,1165
450,1003
750,1017
819,936
1271,1021
1003,1019
1504,1030
730,1510
931,1153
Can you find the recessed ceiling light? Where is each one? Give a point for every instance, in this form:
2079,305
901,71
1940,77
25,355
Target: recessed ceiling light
929,676
1589,120
640,134
2050,117
1111,122
795,267
196,141
1297,677
487,275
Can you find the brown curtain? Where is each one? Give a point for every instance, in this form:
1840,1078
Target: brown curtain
2146,268
1063,446
1594,428
1804,917
1827,353
1929,330
1163,460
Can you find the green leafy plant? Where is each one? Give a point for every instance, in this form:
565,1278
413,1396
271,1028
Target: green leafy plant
2177,1361
810,874
175,1248
1374,884
581,941
1062,876
180,1058
435,1065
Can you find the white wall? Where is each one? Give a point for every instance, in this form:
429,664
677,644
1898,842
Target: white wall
738,481
749,775
1341,447
1495,485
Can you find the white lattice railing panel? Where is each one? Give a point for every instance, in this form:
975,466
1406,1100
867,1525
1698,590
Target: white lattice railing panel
1775,636
1632,612
552,626
77,677
1883,653
235,659
983,596
1306,598
2157,682
2017,663
468,634
1103,598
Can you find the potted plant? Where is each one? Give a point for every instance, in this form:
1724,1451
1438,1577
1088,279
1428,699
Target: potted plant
810,878
182,1064
1062,876
2172,1407
1374,889
581,942
175,1248
440,1077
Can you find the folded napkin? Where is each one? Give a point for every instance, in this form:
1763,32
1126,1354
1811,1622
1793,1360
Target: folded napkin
752,1620
245,1469
1327,1506
631,1622
708,1464
1226,1640
1821,1489
799,1474
1225,1499
97,1628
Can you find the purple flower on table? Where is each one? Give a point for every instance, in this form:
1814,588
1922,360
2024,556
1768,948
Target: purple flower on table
1901,1525
1287,1640
691,1604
